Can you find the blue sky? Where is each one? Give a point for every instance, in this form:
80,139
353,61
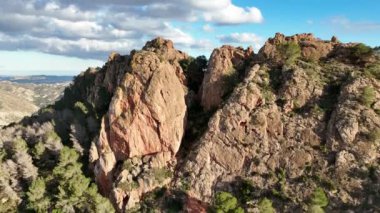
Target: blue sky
64,37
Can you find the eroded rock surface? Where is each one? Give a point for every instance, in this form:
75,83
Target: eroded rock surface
225,66
146,117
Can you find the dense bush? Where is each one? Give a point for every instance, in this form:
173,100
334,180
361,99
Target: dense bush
226,203
194,70
49,172
361,52
289,52
373,71
368,96
36,196
265,206
319,198
81,107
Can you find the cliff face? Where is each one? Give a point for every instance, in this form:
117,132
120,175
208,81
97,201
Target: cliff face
295,127
144,124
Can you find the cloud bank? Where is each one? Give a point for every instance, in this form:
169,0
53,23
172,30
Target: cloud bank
93,28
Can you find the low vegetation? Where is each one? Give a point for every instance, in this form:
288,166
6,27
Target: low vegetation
225,202
374,135
373,71
194,69
289,52
361,53
318,200
230,80
265,206
368,96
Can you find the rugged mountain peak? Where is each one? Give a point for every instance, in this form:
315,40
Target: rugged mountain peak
113,56
145,120
225,68
165,49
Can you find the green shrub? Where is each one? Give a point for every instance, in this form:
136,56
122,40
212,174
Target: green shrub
37,200
128,186
195,72
81,107
267,94
173,205
19,145
319,198
185,185
373,71
226,202
315,209
3,155
184,63
361,52
161,174
289,52
230,80
51,136
368,96
265,206
127,165
38,150
374,135
246,191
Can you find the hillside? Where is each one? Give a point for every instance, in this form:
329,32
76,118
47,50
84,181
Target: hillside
20,97
294,127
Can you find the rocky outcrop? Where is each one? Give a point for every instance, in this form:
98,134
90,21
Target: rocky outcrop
146,117
301,130
225,67
311,48
147,113
276,131
350,127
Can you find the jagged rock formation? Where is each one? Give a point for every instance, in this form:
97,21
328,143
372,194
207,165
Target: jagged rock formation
298,124
222,74
311,48
145,120
275,131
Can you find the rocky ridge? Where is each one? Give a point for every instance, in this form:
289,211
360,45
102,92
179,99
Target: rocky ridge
293,128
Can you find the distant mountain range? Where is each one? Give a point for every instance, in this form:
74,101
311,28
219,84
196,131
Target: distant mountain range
37,79
23,95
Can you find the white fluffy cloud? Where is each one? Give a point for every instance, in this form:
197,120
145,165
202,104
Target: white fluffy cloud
93,28
234,15
242,38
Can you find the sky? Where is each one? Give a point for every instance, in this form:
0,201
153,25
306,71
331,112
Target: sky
64,37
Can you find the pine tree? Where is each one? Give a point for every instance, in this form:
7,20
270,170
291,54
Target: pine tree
37,199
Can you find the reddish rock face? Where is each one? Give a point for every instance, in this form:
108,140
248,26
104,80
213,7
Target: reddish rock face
223,69
195,206
146,117
147,112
